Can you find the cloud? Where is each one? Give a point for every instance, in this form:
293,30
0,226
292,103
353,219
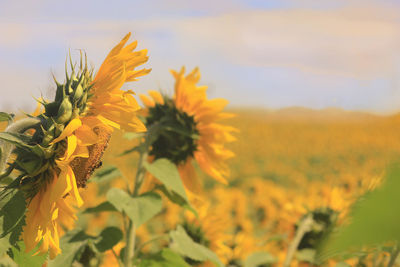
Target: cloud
361,42
358,42
321,49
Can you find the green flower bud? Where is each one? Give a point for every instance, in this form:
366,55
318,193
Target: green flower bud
82,101
59,128
65,111
78,92
60,93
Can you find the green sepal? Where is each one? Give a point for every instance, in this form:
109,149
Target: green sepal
30,164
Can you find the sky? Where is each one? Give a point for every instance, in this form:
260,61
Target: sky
255,53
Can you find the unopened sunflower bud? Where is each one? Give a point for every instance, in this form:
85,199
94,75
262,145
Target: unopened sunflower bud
59,128
59,93
70,90
51,109
48,137
65,111
78,92
82,101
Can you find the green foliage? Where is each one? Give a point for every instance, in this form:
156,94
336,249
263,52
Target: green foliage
374,219
24,259
139,209
165,258
4,245
105,206
167,173
306,255
6,117
185,246
177,199
109,237
16,139
259,258
72,244
13,213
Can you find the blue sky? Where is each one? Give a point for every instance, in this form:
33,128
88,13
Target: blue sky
272,54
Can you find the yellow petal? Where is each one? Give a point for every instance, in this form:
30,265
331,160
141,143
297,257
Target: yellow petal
71,127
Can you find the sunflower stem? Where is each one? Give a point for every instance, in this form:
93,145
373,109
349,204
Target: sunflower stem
131,233
301,231
120,264
6,148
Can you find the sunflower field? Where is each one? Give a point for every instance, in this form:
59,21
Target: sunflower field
99,176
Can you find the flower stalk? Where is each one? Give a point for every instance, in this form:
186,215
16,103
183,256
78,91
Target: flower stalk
131,232
6,148
303,229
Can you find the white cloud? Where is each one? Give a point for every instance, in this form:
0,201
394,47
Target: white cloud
358,42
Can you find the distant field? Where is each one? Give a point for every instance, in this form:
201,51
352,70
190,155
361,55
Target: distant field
296,144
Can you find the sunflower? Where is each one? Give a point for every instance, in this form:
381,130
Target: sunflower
67,145
208,228
190,129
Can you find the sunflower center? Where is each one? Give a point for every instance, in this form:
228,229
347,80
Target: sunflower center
177,133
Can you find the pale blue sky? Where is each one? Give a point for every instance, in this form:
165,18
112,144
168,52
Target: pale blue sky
272,54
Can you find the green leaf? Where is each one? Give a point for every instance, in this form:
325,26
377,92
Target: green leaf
109,237
72,244
165,258
26,259
259,258
139,209
374,219
105,206
13,213
16,139
6,117
177,199
185,246
105,174
4,245
167,173
306,255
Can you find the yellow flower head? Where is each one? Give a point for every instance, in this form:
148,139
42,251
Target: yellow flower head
190,129
68,144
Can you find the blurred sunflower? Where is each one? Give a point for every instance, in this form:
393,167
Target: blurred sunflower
190,129
68,143
209,230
